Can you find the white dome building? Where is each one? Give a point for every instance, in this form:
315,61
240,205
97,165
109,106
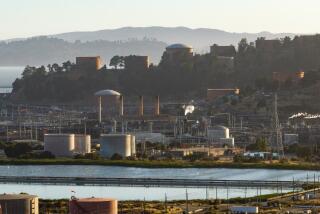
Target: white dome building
178,52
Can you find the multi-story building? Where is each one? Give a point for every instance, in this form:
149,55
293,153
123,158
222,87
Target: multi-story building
92,63
136,63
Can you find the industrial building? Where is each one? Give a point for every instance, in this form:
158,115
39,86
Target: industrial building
244,209
290,139
178,52
121,144
213,94
93,63
93,205
19,204
288,76
220,134
136,63
267,45
67,145
223,51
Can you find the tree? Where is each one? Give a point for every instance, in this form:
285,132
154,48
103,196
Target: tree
17,150
66,66
243,46
117,61
116,156
260,145
46,155
28,71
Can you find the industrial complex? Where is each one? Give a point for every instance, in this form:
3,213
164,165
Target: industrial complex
220,126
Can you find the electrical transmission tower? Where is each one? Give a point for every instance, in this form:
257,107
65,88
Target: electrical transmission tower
276,130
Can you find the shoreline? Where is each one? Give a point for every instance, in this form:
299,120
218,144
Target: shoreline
162,164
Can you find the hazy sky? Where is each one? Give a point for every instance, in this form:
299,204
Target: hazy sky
22,18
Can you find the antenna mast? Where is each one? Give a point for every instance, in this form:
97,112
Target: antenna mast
276,132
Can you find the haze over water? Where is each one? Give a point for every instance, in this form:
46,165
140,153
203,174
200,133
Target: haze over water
8,75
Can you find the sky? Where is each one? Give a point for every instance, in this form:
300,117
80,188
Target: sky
25,18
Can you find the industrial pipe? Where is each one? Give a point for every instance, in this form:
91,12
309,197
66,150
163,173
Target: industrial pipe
100,109
141,106
121,106
157,106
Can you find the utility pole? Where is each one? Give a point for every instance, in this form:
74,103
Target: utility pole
293,190
187,202
59,123
216,193
314,185
207,194
144,205
165,203
7,133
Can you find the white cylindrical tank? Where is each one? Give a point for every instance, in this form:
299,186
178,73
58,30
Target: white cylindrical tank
111,144
82,144
218,132
133,145
60,145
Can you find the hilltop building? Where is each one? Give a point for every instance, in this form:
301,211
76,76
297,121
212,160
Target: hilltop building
265,45
213,94
286,76
225,55
223,51
92,63
178,54
136,63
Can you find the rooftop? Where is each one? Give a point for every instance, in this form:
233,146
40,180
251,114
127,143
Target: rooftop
179,46
16,196
107,92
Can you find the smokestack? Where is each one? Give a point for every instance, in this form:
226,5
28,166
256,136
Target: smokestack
121,106
100,109
157,106
141,106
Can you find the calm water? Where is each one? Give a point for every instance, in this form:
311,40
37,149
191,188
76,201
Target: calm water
129,193
8,75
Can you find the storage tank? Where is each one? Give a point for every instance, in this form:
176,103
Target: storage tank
82,144
133,145
217,132
60,145
93,205
20,203
111,144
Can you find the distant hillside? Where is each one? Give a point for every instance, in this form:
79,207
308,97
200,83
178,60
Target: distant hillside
200,38
44,50
123,41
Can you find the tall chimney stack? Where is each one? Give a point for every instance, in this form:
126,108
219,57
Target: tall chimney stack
100,109
157,106
121,105
141,106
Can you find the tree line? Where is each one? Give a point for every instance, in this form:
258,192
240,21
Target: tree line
253,67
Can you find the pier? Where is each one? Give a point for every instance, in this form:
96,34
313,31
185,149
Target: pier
151,182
